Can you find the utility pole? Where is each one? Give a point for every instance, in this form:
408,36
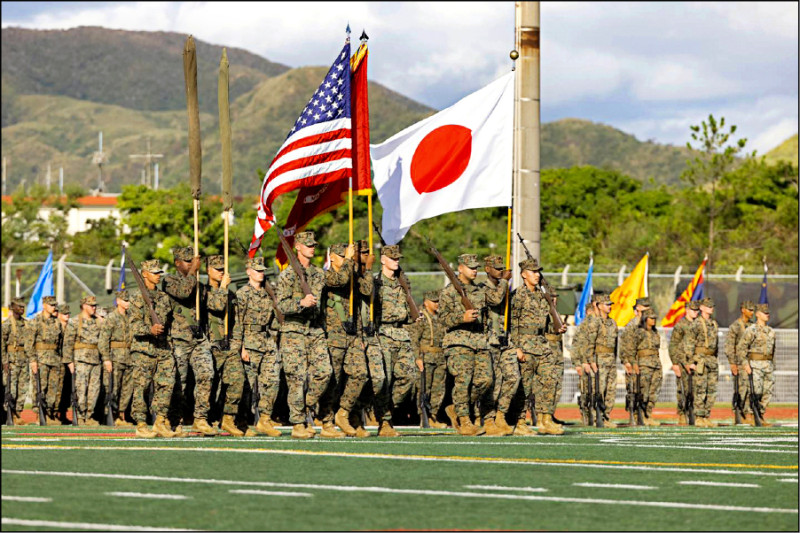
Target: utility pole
148,159
526,215
98,159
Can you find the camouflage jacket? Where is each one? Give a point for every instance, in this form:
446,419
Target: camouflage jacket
578,351
115,338
496,316
554,338
735,334
392,314
757,339
646,343
299,319
143,340
601,340
700,342
43,340
426,338
13,343
215,301
530,317
677,349
627,341
336,303
451,314
81,341
181,289
254,316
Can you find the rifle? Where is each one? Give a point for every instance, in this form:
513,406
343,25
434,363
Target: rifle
401,278
587,402
532,406
599,401
737,402
110,403
40,398
689,403
630,400
557,322
148,302
755,402
10,402
73,398
682,399
255,396
423,401
465,301
294,262
267,287
639,401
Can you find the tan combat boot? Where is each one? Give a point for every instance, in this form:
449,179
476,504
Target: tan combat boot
329,431
120,422
299,431
91,422
749,419
547,427
161,428
523,429
491,428
466,427
201,426
18,421
682,420
386,430
650,421
342,420
710,423
229,425
435,423
142,431
450,410
361,431
265,427
609,424
51,420
178,431
311,430
502,425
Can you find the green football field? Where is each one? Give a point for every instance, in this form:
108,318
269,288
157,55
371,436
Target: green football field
665,478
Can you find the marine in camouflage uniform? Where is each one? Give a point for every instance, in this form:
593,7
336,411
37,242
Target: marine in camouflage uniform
582,367
677,355
15,364
647,363
757,350
254,341
465,342
426,340
601,349
304,352
191,346
627,348
64,373
151,352
43,350
83,357
701,353
115,344
735,333
556,340
530,318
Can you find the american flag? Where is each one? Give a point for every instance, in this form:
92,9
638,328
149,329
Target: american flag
317,149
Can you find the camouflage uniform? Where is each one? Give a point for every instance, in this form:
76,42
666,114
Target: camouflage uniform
578,357
465,343
677,355
556,342
190,344
494,329
303,349
115,344
43,346
254,316
735,334
81,348
601,339
645,344
426,340
701,349
757,347
152,357
13,349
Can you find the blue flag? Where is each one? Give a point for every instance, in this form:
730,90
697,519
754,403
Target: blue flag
580,312
43,287
763,298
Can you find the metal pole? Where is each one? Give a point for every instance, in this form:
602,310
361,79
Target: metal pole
60,180
60,280
7,279
4,175
155,181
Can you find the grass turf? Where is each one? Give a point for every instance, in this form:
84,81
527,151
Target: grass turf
432,481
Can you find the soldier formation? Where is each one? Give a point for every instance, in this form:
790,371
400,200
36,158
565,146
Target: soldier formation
352,346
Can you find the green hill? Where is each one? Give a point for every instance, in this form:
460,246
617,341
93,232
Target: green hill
786,151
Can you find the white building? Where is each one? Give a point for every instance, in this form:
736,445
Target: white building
89,208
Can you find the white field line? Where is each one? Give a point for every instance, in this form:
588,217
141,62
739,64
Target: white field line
29,499
614,486
75,526
428,458
716,484
269,493
789,480
498,487
457,494
148,495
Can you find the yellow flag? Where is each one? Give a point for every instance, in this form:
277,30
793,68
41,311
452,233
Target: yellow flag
625,296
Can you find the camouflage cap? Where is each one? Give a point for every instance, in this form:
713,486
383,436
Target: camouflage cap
123,295
643,301
64,309
469,260
763,308
392,251
748,304
256,263
494,261
707,302
604,299
649,313
88,300
184,253
152,266
694,305
432,296
18,302
215,261
339,248
306,238
50,300
530,264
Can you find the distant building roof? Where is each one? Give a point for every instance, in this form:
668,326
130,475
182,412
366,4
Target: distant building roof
83,201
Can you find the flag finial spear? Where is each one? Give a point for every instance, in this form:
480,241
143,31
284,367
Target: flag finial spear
364,36
347,30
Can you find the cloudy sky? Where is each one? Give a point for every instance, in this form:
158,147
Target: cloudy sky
650,69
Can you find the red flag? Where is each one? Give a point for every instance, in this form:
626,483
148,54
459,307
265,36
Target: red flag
678,308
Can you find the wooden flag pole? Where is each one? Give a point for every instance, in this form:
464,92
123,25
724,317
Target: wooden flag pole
350,209
370,230
508,267
195,150
227,164
197,253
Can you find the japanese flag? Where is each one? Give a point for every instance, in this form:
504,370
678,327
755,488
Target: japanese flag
459,158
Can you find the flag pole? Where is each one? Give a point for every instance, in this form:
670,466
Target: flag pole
350,211
223,102
513,55
370,232
195,151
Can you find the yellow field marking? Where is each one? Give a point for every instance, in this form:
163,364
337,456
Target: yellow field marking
397,456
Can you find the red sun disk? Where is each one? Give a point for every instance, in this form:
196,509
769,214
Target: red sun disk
441,158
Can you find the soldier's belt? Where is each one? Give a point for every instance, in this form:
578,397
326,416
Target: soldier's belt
649,351
531,331
44,346
701,350
16,349
603,349
119,344
256,327
552,337
756,356
393,324
85,346
430,349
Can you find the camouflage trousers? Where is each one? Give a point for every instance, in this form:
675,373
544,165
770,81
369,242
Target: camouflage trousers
608,384
470,368
585,399
19,373
684,379
51,377
399,357
356,374
555,347
158,369
265,371
763,384
87,387
305,359
378,393
435,380
510,396
705,388
329,402
231,379
197,355
123,385
544,371
650,382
